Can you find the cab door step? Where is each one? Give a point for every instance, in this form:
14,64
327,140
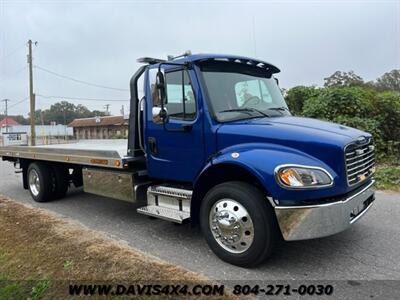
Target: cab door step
167,203
164,213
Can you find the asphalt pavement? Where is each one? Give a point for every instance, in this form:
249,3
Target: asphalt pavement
369,250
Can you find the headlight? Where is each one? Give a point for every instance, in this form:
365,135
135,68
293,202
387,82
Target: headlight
292,176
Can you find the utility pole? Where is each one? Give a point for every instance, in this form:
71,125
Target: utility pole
6,102
123,110
31,94
107,106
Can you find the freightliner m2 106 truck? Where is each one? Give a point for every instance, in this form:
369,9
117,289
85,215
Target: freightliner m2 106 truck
212,142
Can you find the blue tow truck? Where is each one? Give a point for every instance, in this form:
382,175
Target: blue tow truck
212,141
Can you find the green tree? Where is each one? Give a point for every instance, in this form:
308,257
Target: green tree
21,120
339,101
343,79
18,118
64,112
386,110
96,113
295,97
390,81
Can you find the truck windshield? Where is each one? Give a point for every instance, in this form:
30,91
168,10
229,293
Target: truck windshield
242,93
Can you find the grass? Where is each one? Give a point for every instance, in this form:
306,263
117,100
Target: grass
40,288
30,289
68,264
388,177
41,254
12,290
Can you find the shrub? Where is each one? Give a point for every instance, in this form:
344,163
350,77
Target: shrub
386,110
296,97
334,102
388,177
364,109
365,124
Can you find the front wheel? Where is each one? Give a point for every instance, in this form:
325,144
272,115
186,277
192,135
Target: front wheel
238,223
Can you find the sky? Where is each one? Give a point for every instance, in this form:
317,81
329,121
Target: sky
98,42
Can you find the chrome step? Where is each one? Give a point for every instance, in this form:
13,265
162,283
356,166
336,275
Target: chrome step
170,192
168,203
164,213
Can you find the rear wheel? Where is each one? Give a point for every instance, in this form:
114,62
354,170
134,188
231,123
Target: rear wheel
238,223
40,182
60,176
76,177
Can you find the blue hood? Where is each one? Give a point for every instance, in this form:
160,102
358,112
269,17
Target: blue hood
322,140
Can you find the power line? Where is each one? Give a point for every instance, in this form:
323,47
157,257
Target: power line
16,72
20,70
13,51
19,102
79,81
80,98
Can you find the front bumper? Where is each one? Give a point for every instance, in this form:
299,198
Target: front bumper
314,221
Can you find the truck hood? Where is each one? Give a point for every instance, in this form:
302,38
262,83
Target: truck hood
322,140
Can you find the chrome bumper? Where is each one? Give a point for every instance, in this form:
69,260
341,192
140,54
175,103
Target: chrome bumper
314,221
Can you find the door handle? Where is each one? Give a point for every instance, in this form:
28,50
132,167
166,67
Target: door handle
187,127
153,145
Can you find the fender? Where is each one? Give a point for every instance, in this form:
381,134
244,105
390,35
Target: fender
248,157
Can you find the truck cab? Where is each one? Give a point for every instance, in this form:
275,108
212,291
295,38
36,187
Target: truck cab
212,141
211,120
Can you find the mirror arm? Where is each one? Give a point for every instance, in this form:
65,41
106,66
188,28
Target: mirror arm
183,94
162,100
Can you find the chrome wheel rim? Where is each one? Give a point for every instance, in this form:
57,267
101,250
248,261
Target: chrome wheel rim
34,182
231,226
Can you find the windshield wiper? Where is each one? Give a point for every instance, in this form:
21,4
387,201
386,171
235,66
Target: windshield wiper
246,110
281,109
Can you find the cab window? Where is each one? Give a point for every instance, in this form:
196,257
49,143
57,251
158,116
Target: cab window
180,97
180,101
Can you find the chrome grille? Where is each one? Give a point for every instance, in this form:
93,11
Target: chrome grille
360,161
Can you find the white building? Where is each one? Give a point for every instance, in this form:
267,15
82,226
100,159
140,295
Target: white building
42,130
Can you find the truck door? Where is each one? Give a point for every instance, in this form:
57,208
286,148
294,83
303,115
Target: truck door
175,150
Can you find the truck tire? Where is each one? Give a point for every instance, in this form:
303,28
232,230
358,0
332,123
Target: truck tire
40,183
238,223
77,178
60,177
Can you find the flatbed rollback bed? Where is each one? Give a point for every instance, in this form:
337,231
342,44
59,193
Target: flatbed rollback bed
105,153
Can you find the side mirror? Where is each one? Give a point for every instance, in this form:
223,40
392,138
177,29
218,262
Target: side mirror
277,81
160,115
160,85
